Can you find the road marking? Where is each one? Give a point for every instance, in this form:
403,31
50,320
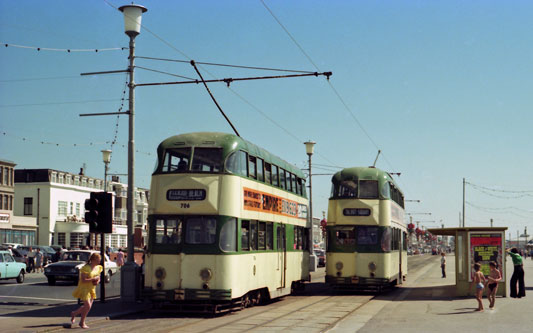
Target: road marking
21,284
41,299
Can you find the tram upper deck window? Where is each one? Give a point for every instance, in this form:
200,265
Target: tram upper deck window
176,160
268,173
207,160
368,189
200,230
260,173
168,231
237,163
275,175
282,179
347,189
252,171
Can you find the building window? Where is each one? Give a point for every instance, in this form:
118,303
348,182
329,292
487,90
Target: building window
28,206
91,183
1,174
62,208
61,178
78,209
6,176
84,182
76,180
61,239
54,177
77,239
1,201
71,208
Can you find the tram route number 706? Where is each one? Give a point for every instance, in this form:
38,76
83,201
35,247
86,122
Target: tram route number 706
185,205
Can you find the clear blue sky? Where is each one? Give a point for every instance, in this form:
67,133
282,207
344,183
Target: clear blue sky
443,88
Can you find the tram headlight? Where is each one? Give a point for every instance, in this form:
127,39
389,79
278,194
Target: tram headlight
206,274
339,265
160,273
372,266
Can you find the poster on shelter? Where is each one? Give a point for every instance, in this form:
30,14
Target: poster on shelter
484,248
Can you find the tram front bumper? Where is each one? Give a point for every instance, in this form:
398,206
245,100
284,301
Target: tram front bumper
355,280
187,295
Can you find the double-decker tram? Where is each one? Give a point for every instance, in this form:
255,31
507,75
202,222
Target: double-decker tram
227,222
366,233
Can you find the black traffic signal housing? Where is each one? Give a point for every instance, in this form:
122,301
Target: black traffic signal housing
99,212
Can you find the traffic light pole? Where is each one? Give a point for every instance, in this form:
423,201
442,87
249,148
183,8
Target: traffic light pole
102,246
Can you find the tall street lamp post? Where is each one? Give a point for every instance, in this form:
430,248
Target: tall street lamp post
309,147
132,27
106,157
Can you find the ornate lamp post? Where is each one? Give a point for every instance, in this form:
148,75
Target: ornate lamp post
106,157
309,148
132,27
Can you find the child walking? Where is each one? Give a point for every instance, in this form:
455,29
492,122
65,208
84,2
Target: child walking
478,280
494,277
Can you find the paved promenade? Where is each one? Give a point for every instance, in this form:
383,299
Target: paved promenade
427,303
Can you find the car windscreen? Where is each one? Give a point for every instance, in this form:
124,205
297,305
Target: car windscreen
76,256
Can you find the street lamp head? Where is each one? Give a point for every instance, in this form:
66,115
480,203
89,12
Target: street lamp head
132,18
106,156
309,147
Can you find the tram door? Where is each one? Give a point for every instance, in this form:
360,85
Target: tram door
282,253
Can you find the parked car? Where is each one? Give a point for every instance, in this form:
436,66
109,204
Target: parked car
68,268
321,255
10,269
13,245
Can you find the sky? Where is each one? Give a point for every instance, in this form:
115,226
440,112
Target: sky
442,88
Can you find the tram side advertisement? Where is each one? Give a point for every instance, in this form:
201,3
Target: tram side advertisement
484,248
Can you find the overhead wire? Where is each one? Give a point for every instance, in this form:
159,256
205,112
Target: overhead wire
63,50
329,82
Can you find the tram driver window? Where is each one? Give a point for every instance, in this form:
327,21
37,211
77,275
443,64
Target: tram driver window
345,236
367,235
200,230
168,231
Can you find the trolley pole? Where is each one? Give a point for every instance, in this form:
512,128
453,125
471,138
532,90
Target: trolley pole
464,183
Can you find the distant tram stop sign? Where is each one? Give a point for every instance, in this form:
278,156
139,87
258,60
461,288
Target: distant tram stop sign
99,212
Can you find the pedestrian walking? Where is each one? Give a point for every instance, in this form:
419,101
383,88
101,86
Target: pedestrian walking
89,278
443,264
120,258
518,274
38,261
478,279
31,260
494,277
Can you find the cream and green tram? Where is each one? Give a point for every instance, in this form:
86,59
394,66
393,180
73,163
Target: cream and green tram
366,233
227,223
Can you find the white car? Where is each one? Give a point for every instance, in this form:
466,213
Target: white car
68,268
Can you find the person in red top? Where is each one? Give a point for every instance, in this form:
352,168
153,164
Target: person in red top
120,258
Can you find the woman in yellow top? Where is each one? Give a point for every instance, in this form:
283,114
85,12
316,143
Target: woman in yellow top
89,278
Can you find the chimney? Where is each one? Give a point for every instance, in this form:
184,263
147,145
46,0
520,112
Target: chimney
82,172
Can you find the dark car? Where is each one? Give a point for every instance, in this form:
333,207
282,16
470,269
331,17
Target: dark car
321,255
68,268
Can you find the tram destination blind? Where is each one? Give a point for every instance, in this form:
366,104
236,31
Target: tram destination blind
186,195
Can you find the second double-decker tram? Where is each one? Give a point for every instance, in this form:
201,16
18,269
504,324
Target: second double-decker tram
366,232
227,224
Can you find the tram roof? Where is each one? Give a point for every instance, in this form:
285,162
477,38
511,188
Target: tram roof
454,231
363,173
229,144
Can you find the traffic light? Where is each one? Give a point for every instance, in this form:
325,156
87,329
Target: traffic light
99,212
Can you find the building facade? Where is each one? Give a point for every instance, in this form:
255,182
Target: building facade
13,229
56,199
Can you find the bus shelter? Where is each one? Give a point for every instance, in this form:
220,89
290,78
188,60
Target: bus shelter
476,244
